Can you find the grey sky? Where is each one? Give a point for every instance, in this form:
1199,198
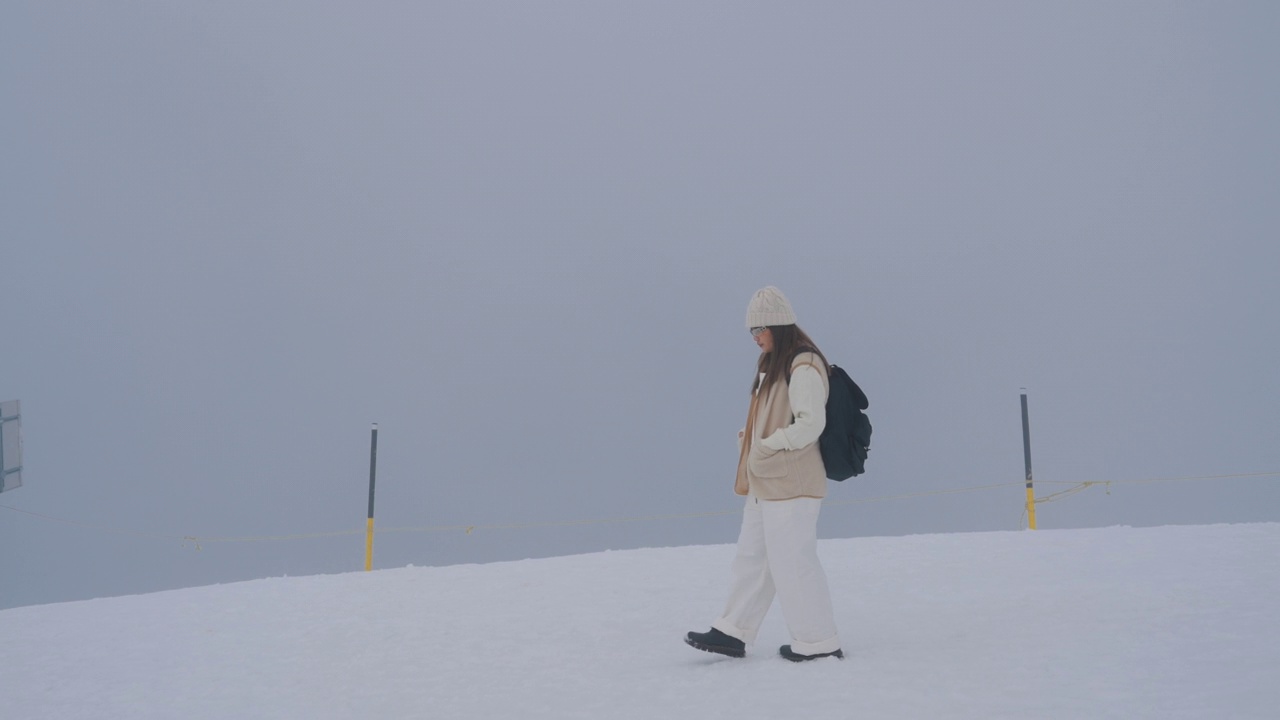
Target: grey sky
521,237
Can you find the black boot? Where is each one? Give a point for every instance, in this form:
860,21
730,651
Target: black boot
717,642
786,652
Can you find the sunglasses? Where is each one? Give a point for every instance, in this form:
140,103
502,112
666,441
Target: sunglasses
758,331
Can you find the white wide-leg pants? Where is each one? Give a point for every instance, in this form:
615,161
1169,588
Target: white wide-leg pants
778,554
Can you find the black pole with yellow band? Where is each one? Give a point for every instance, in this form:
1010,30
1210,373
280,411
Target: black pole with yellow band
373,471
1026,455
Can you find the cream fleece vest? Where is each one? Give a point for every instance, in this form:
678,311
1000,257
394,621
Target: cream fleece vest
779,474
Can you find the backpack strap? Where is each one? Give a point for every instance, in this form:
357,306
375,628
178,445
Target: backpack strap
800,351
741,485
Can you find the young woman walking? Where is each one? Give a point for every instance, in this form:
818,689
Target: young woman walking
780,471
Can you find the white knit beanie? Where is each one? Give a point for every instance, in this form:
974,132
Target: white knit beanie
769,307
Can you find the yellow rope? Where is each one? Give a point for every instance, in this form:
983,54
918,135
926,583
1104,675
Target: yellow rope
909,496
1172,479
1078,487
100,528
197,541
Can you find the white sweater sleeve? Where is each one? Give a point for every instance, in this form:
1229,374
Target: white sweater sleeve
808,398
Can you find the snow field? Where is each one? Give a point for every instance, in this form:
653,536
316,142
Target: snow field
1169,622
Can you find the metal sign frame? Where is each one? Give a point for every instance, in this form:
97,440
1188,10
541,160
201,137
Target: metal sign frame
11,438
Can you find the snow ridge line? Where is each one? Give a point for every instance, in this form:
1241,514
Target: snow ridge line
198,541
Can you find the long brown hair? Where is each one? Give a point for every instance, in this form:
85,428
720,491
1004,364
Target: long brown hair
788,341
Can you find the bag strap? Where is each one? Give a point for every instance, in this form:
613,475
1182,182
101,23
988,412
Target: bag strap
800,351
825,373
740,484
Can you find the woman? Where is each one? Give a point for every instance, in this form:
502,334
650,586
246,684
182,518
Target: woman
780,471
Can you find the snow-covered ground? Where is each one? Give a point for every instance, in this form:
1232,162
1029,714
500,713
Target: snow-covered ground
1168,622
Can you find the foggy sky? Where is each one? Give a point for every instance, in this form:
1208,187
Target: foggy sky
521,238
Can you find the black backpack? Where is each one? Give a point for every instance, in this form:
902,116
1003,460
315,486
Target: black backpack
846,439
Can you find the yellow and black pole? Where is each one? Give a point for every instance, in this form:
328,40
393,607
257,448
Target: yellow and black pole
1026,454
373,469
